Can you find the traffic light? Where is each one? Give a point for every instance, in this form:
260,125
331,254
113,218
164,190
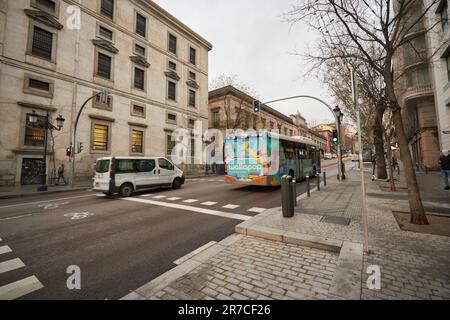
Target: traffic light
80,147
256,106
335,136
69,151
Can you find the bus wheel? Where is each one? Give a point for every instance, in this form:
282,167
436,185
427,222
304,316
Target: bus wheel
126,190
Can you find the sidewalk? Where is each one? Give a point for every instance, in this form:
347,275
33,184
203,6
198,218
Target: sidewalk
317,254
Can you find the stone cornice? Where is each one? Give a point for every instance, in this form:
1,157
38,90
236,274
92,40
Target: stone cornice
106,45
103,118
140,60
193,84
173,75
36,106
44,18
137,124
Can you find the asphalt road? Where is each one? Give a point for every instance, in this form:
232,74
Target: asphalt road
118,244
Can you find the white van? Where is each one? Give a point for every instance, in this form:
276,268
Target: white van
124,175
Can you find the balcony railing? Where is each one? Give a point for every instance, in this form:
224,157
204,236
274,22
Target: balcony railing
417,92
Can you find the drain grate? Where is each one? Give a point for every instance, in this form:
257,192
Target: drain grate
336,220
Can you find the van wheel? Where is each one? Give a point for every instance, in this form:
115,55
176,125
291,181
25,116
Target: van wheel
126,190
176,183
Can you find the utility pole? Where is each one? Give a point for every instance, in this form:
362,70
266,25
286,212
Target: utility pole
363,184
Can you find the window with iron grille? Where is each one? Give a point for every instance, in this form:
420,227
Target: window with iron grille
192,75
191,98
171,117
35,133
141,25
107,8
100,137
139,78
40,85
172,91
216,119
172,44
50,5
140,50
172,65
42,43
105,33
137,141
104,66
138,110
170,144
192,55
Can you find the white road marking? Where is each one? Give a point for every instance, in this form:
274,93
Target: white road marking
231,206
20,288
16,217
211,180
9,265
193,253
173,199
5,249
78,215
257,210
159,197
52,205
209,203
146,195
190,200
190,208
44,201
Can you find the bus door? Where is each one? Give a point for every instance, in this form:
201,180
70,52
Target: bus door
298,164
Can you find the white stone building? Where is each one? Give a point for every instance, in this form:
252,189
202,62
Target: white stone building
154,66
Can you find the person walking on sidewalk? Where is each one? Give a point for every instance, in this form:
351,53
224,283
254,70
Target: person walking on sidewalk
445,164
61,174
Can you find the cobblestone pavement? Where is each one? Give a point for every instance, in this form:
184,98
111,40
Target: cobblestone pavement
254,268
412,265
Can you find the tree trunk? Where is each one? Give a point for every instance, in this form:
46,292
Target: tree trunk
415,202
379,145
389,163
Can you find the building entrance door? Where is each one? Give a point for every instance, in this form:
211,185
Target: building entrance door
31,171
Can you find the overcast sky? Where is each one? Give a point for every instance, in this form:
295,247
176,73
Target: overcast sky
251,40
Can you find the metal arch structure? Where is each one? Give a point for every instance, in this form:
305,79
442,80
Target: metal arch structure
335,117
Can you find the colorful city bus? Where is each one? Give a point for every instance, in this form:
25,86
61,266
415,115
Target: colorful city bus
262,158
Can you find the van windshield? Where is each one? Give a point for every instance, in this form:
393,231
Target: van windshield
102,166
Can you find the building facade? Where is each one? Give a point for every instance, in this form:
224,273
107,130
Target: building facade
230,108
422,65
154,67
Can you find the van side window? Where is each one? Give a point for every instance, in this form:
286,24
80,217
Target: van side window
165,164
146,165
125,166
102,166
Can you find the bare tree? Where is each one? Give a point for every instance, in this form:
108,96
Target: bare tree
371,32
236,116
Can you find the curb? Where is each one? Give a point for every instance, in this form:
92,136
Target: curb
29,194
151,288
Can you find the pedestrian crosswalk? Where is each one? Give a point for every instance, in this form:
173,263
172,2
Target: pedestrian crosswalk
229,206
18,288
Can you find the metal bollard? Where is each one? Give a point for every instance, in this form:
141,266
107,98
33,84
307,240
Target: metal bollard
308,187
287,198
294,191
325,178
318,182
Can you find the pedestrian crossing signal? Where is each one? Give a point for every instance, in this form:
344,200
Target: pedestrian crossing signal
256,106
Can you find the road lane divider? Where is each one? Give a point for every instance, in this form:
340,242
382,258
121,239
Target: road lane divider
44,201
190,208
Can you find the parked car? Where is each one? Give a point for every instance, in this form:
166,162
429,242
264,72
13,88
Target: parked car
124,175
328,156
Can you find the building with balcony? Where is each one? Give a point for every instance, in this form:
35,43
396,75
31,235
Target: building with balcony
422,86
154,66
230,108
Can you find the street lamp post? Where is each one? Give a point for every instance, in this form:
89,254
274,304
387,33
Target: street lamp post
33,118
340,117
336,118
103,95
